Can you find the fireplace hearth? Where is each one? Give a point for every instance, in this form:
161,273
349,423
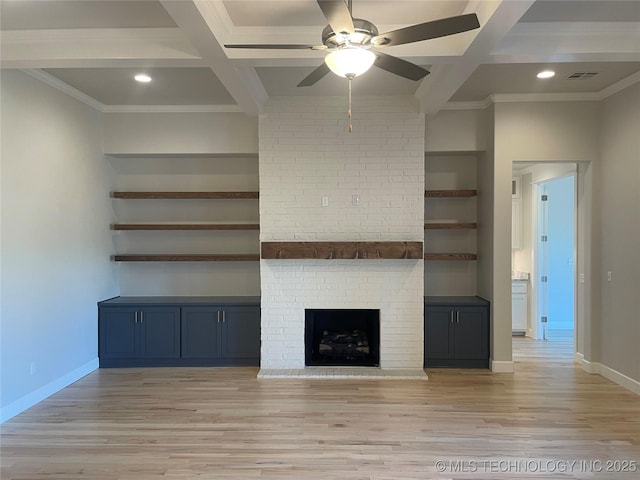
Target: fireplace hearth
342,337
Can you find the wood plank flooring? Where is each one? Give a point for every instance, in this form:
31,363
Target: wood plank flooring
223,423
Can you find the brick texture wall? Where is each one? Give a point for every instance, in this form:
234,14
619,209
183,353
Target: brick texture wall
306,154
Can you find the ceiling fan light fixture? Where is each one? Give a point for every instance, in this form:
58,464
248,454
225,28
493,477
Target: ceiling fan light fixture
350,61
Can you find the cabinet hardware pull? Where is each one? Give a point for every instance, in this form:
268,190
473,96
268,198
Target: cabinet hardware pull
458,316
218,314
136,317
451,316
224,319
141,317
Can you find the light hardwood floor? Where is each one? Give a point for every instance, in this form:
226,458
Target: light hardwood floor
206,423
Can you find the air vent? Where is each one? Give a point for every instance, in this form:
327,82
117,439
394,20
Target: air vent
581,75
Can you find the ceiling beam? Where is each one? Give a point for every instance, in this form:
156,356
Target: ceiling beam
195,20
496,20
104,47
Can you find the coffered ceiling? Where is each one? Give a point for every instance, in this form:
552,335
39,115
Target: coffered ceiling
92,48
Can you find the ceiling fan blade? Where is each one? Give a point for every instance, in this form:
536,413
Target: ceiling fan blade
274,46
400,67
338,15
428,30
314,76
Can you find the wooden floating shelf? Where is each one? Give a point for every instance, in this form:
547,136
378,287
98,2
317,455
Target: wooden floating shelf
185,226
184,195
341,250
449,193
450,256
450,226
220,257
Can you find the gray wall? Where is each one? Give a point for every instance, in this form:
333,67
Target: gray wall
55,240
535,132
617,233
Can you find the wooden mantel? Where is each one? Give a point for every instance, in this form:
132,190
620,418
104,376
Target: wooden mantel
341,250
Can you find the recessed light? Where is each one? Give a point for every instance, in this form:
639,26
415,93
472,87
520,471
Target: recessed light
142,78
546,74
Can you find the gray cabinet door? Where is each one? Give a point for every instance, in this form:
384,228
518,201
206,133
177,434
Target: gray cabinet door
240,332
118,332
159,332
456,335
438,332
201,332
471,333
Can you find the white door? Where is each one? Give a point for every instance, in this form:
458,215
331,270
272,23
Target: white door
554,260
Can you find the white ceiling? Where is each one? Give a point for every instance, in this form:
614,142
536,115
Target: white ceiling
96,46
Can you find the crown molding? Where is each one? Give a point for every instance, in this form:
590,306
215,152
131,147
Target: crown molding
570,29
619,86
171,109
544,97
64,88
169,35
472,105
101,107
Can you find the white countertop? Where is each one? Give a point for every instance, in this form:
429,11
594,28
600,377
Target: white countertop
517,276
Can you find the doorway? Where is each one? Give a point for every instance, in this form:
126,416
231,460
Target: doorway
547,252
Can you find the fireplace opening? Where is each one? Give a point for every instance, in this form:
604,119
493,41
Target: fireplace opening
342,337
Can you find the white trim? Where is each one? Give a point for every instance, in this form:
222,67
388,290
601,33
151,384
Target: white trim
101,107
171,109
64,88
166,35
480,105
590,367
620,378
619,86
611,374
30,399
544,97
578,358
502,366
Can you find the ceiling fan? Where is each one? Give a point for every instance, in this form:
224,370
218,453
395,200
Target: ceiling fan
351,41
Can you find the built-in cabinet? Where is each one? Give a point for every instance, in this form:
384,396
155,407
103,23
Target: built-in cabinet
456,332
519,306
179,331
227,333
139,332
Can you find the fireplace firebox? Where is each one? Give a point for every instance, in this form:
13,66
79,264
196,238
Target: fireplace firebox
342,337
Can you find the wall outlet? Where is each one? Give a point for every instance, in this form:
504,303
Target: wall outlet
325,201
32,368
355,200
581,278
609,276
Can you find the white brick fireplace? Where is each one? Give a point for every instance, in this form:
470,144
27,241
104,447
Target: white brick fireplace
306,153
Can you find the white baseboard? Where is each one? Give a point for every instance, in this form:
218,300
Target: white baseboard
578,358
502,366
45,391
613,375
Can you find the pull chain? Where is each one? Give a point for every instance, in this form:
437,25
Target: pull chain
350,77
